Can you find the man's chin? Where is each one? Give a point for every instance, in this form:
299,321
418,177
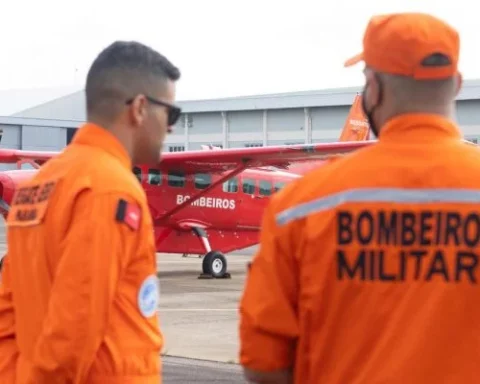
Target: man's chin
154,162
151,161
155,158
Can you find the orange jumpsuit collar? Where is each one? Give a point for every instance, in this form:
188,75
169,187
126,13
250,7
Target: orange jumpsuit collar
96,136
415,127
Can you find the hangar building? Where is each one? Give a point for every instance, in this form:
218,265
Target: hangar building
274,119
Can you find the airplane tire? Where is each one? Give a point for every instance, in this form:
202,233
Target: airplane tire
215,264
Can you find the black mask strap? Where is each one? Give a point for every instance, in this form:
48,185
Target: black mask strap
369,114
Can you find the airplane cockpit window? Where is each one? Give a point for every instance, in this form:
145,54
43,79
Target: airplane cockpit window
231,185
202,180
248,186
279,185
265,188
154,177
138,173
176,179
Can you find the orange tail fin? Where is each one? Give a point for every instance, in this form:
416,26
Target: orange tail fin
356,127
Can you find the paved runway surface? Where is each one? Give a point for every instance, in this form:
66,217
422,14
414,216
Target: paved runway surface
180,370
198,319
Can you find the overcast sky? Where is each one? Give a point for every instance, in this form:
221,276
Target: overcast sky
223,47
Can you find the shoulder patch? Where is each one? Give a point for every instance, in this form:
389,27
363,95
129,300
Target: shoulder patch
29,204
128,213
148,296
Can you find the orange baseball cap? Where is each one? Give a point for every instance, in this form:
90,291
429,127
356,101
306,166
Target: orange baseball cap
416,45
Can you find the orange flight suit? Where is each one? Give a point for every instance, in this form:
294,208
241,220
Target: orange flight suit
8,344
82,269
368,267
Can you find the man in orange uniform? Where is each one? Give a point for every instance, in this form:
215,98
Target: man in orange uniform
368,268
8,344
81,268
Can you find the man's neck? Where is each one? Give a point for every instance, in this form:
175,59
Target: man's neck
117,130
445,111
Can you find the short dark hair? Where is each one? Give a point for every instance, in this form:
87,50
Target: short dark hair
121,71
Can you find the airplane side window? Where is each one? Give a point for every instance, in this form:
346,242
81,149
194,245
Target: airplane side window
279,185
138,173
176,179
248,186
202,180
154,177
231,185
265,188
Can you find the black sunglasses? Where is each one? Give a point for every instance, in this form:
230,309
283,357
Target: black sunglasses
173,111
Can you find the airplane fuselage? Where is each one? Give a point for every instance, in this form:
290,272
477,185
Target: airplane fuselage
230,212
210,213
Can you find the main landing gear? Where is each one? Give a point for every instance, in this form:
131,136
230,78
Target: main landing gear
214,264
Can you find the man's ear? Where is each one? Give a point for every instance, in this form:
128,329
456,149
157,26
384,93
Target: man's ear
372,83
138,110
459,80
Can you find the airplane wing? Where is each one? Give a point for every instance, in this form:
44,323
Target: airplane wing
221,160
15,155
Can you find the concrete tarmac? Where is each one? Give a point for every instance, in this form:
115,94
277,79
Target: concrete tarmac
198,318
178,370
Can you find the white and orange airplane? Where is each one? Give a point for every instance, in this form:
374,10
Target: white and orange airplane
210,202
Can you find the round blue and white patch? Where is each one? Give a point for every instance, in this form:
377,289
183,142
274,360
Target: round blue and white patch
148,296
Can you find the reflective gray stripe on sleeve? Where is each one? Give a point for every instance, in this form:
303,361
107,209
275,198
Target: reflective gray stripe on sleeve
380,195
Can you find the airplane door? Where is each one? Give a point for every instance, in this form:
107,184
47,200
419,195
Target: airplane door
265,189
247,214
153,184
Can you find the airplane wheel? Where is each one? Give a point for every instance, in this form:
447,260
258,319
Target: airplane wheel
215,264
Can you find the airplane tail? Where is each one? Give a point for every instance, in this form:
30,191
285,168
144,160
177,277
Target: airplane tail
356,128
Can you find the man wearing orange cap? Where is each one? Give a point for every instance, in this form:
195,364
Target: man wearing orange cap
368,268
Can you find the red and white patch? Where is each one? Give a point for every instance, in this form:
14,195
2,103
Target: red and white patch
129,214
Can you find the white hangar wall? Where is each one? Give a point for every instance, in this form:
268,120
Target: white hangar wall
275,119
